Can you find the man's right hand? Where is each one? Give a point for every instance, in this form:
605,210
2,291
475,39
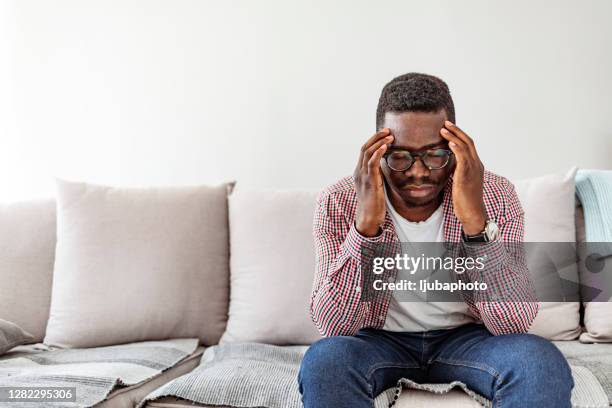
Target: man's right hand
368,177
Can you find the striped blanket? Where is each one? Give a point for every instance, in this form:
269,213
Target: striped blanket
594,189
260,375
95,372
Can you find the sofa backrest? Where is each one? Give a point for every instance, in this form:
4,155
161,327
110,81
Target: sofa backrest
28,238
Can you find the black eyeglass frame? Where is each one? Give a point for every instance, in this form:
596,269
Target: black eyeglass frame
414,155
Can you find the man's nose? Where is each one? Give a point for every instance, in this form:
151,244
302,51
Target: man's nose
418,169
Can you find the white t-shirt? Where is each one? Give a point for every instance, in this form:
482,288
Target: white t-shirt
417,315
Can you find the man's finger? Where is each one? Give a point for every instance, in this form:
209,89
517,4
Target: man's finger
381,133
456,130
457,145
374,163
461,157
451,137
368,154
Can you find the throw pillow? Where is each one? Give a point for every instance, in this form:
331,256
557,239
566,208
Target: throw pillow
549,206
27,251
272,267
135,264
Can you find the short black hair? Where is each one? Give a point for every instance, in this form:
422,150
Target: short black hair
414,92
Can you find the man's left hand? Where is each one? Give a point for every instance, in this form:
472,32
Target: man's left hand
468,177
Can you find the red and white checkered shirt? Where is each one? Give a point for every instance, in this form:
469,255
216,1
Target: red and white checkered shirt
336,303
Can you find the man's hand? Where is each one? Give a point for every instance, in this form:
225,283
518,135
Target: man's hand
371,208
468,200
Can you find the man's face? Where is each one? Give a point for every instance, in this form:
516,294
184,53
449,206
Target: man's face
417,131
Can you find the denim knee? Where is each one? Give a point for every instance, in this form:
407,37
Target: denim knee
333,373
540,361
329,360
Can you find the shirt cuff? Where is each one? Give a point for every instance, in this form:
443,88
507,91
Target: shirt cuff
355,242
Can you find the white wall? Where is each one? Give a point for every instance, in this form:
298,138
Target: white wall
280,94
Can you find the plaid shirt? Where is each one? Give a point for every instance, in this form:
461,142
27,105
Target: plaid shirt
336,304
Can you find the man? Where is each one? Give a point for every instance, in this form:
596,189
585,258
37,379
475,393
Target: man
419,179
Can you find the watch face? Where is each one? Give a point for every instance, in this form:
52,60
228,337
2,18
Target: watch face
492,230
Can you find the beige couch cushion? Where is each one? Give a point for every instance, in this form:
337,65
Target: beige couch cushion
597,315
139,264
408,399
272,266
549,206
597,322
27,250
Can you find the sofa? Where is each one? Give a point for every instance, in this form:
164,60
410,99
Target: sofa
185,269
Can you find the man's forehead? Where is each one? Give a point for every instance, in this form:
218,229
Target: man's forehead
414,120
414,130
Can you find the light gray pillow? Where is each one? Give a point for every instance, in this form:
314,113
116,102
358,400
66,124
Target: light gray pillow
12,335
136,264
549,206
597,315
27,251
272,267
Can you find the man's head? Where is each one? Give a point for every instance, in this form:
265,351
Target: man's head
414,107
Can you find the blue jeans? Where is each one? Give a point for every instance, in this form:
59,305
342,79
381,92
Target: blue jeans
513,370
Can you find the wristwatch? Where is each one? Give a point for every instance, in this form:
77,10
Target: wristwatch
490,233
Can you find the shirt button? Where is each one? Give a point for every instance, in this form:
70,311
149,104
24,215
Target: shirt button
381,317
357,289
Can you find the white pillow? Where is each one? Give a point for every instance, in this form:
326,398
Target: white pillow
549,206
597,321
272,266
597,315
27,251
138,264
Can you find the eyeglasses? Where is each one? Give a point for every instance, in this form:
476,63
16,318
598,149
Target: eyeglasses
399,159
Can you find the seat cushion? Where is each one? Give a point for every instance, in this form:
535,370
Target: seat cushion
408,399
266,375
173,402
